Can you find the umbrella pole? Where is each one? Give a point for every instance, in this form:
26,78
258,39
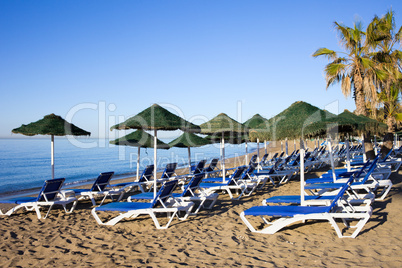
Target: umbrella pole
348,154
331,157
246,154
223,159
265,145
52,154
189,159
286,147
258,154
302,203
138,162
395,138
155,142
364,150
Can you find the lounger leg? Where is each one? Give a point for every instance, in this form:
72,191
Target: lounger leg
156,222
387,187
37,210
114,220
72,207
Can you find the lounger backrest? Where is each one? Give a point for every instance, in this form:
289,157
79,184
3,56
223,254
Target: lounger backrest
200,167
164,192
264,158
249,171
275,155
341,193
102,181
147,173
50,189
363,168
212,165
371,169
192,186
295,162
169,170
253,159
236,175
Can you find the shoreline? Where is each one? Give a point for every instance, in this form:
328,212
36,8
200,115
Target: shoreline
117,178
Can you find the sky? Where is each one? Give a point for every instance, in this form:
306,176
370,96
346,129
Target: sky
98,62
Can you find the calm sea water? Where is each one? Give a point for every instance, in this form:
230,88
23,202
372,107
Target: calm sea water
25,162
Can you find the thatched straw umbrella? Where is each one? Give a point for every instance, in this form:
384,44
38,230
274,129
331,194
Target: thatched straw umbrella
157,118
257,123
237,139
187,140
345,122
140,139
223,126
52,125
290,123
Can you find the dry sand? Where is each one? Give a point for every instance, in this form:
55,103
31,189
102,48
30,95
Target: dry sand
212,238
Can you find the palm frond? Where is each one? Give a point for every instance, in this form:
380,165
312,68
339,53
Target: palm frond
330,54
334,69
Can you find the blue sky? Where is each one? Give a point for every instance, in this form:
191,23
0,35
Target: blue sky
98,62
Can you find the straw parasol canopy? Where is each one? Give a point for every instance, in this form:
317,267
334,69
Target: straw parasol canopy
140,139
345,122
258,126
222,125
157,118
188,140
52,125
256,122
290,123
225,128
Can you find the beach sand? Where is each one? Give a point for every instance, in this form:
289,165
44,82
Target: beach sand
211,238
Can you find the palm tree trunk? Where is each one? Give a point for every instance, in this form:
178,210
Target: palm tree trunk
359,94
388,144
369,149
360,103
390,121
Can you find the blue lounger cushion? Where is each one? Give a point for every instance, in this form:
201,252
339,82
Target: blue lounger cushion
124,206
296,198
285,211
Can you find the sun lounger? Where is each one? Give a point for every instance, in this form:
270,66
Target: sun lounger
144,182
192,192
368,183
49,195
163,203
234,183
282,216
100,188
211,169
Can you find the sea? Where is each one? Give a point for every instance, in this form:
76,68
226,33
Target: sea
25,163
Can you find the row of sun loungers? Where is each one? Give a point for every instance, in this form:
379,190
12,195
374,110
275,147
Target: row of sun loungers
339,197
342,195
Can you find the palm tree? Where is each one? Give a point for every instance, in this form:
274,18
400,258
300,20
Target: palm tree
354,69
391,106
382,40
351,67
